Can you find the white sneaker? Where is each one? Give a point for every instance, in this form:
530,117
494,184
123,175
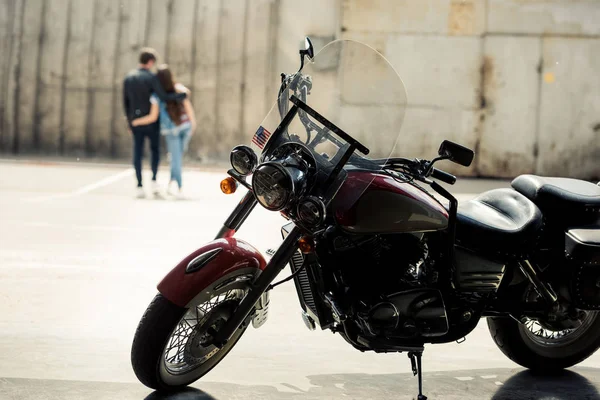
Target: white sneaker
140,193
155,188
171,188
179,195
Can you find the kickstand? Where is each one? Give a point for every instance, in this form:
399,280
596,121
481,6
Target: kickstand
415,363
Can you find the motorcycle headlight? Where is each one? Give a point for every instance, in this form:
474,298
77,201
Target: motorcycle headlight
243,160
273,186
311,211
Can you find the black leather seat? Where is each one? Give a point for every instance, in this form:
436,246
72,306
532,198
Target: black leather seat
562,195
501,220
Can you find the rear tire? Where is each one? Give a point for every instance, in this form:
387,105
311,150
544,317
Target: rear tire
171,347
516,343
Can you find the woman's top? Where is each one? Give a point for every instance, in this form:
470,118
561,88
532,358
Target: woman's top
168,126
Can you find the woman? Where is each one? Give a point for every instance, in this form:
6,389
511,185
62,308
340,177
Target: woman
177,123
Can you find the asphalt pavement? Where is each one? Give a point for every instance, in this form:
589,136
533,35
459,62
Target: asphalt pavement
80,258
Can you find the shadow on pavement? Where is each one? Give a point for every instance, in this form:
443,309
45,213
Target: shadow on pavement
562,386
496,384
483,384
185,394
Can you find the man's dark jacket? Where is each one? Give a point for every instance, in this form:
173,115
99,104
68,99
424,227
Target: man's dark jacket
138,86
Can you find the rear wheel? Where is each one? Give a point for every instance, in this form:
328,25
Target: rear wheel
172,345
543,349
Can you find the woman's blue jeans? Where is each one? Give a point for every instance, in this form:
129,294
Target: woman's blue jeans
177,144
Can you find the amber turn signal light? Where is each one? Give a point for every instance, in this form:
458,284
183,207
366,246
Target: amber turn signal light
228,185
306,244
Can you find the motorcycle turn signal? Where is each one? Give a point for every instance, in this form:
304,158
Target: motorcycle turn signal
229,185
306,244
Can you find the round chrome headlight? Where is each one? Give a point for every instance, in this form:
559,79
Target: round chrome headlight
273,186
243,160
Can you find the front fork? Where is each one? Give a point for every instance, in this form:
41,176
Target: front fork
260,285
238,216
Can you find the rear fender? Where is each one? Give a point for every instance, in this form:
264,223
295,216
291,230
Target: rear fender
210,263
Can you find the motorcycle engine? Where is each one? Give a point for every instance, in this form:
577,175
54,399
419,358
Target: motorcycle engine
389,282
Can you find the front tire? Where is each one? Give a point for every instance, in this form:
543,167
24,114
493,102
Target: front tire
546,352
171,347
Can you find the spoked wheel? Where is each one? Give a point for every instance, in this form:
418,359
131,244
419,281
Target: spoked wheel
190,345
173,345
549,338
538,346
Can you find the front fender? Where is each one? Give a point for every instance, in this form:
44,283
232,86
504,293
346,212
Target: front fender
206,265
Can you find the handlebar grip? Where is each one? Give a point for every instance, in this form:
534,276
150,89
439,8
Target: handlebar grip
443,176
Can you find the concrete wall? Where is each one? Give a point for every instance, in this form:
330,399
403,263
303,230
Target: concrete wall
517,80
63,62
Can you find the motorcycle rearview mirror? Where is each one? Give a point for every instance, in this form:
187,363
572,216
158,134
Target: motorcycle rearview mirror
308,48
308,51
456,153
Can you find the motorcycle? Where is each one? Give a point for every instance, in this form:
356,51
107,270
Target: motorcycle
375,255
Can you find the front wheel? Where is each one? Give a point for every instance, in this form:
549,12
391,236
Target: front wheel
538,348
172,345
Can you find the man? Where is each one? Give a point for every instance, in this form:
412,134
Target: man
138,86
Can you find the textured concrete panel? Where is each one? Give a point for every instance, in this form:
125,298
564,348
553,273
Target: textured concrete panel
51,76
181,39
569,136
8,18
101,78
452,17
205,78
511,82
424,129
157,27
229,75
437,71
256,67
77,76
578,17
27,85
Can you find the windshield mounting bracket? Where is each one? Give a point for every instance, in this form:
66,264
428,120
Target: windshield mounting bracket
329,125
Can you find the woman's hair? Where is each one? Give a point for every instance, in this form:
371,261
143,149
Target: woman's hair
174,109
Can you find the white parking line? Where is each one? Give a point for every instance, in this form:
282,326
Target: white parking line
81,227
85,189
104,182
46,266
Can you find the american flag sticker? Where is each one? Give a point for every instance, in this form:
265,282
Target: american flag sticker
261,137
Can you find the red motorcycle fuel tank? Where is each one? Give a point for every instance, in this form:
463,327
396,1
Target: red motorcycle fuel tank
386,206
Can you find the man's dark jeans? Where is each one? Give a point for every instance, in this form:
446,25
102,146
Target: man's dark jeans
139,134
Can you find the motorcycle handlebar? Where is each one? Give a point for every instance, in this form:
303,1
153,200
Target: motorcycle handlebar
443,176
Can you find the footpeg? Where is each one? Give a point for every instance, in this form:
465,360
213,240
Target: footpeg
338,314
415,363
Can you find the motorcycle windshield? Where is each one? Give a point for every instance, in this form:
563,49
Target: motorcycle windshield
348,92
